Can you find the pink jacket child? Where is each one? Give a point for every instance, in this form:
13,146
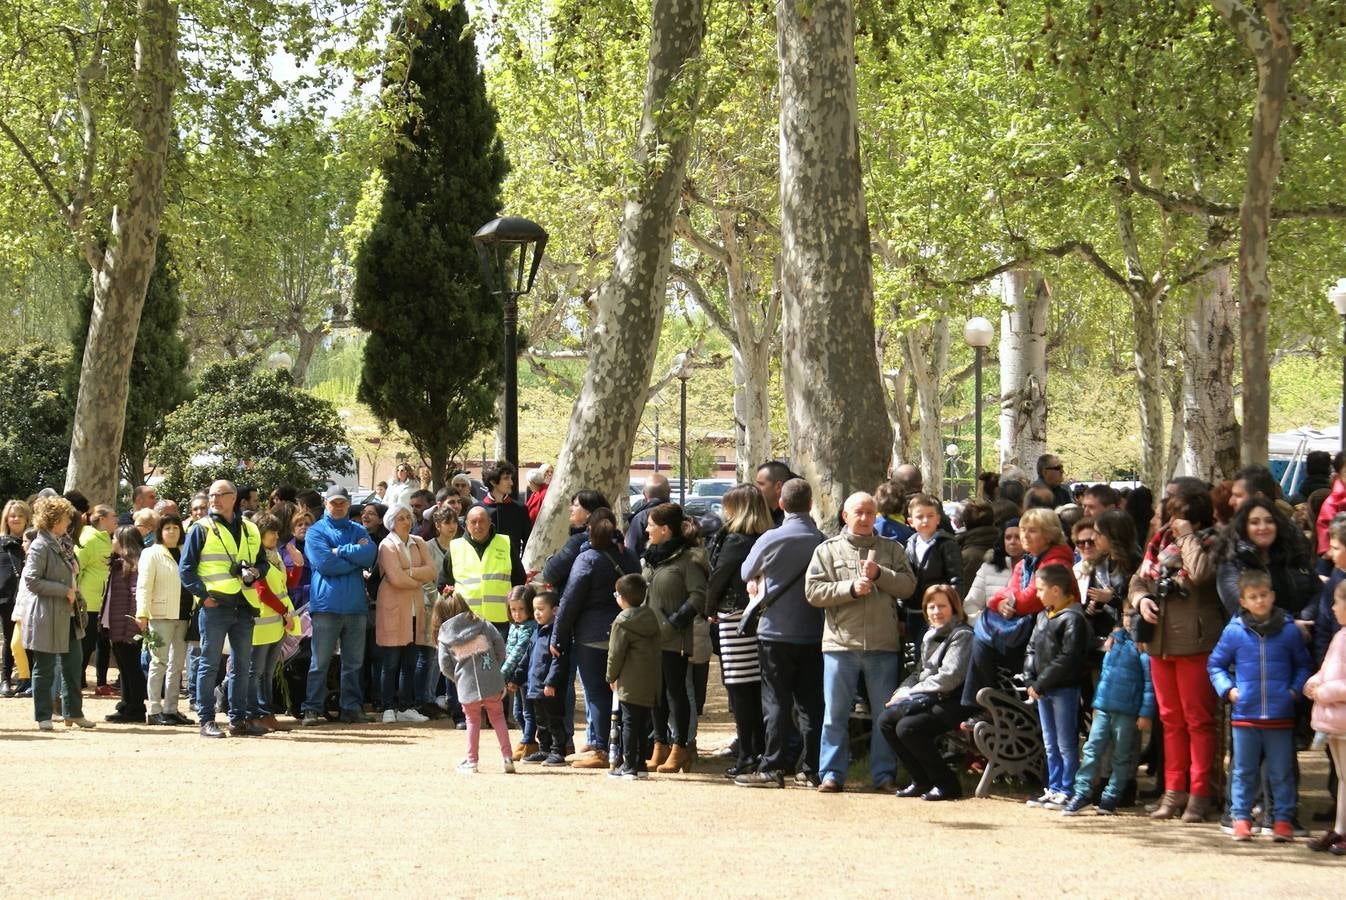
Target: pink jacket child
1329,689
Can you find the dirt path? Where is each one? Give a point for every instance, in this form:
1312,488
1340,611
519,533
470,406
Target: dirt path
378,809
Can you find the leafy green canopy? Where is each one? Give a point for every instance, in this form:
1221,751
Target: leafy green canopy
432,363
34,419
252,426
158,365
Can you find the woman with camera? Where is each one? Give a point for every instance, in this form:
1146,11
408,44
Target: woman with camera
675,569
1180,621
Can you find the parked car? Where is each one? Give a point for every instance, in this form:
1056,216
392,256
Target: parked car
711,487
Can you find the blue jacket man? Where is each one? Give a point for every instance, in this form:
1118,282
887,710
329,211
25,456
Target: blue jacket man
337,551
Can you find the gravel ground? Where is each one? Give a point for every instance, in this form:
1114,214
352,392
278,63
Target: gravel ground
377,809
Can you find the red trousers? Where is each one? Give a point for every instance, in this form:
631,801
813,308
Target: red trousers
1187,708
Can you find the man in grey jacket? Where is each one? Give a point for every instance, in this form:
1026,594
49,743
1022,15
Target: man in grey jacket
790,635
858,579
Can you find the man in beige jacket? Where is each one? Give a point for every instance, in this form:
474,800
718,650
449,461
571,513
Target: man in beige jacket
858,579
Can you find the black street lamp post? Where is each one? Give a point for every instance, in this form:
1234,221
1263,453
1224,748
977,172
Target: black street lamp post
978,332
503,248
683,372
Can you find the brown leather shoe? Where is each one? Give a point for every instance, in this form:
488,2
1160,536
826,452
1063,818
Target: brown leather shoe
1170,806
271,723
679,760
829,786
595,760
658,757
1199,809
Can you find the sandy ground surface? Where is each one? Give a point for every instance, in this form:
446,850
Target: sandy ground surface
360,810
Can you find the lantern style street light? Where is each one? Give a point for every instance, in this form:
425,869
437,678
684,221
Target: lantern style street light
510,251
978,332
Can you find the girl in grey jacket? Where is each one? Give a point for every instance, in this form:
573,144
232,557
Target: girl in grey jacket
471,651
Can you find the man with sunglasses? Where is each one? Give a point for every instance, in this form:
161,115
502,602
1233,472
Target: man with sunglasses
1051,475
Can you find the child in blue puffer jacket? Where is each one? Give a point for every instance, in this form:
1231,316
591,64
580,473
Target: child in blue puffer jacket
1260,665
515,667
1123,706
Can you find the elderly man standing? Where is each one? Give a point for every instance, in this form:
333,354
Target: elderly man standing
858,579
337,551
481,569
221,562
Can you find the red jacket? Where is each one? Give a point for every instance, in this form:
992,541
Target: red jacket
534,502
1335,503
1026,602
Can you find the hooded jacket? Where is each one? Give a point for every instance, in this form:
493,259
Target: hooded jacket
1124,686
1329,706
634,656
1268,664
545,670
471,652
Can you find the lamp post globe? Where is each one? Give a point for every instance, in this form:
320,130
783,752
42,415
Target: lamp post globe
510,252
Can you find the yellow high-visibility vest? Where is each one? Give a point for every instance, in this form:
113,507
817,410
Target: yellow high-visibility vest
269,627
220,552
483,581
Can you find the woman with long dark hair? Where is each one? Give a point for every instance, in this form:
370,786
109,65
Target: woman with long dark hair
118,620
995,570
1260,536
675,569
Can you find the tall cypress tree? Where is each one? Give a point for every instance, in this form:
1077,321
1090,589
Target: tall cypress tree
432,362
158,381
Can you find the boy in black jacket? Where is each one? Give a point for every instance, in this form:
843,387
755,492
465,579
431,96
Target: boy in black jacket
546,684
935,558
1054,670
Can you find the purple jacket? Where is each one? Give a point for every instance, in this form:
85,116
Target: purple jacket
117,619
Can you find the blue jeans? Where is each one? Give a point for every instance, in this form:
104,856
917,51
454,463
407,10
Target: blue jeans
262,679
329,629
523,716
1059,712
217,623
1119,731
1278,746
592,663
193,668
58,671
399,677
427,674
841,677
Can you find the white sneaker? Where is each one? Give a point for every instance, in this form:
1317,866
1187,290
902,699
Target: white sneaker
389,716
1056,801
1039,802
411,715
509,766
44,725
468,767
443,702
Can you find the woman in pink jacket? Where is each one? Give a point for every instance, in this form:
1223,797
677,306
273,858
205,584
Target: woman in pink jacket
405,565
1327,690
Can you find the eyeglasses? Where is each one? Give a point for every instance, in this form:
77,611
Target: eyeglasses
221,494
1052,468
1085,542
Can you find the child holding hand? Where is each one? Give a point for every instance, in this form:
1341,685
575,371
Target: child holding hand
1055,669
548,667
1327,690
1260,665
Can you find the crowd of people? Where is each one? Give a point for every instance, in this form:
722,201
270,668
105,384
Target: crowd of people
1209,618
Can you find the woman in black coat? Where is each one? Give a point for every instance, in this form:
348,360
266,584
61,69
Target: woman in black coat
13,522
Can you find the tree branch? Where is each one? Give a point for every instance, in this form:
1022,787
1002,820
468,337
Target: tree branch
62,206
683,228
1195,204
1082,249
692,284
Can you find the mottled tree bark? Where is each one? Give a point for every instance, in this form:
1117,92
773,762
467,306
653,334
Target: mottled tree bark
1023,369
629,308
121,271
1264,29
840,436
927,353
1211,444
